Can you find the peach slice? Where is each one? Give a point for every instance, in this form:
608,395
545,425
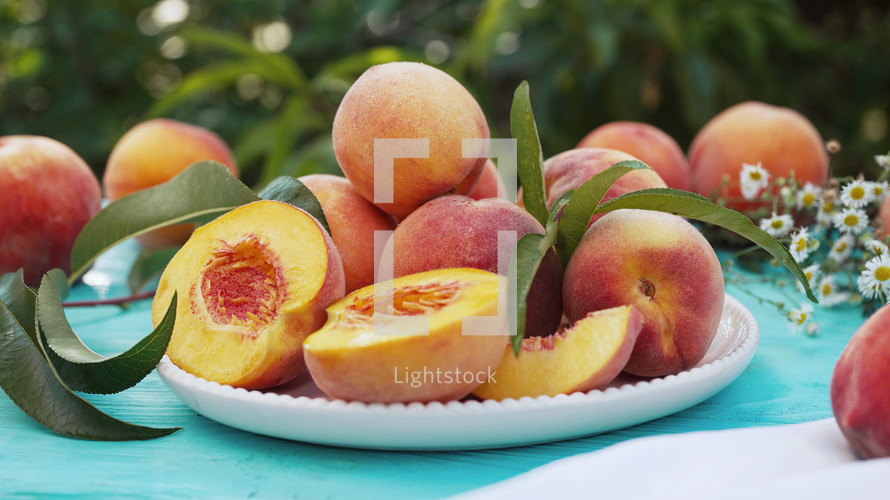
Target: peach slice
249,294
584,357
440,360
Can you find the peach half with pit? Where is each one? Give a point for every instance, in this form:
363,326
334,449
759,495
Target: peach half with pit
412,338
249,294
585,357
662,265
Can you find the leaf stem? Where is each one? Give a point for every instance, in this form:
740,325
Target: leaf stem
117,301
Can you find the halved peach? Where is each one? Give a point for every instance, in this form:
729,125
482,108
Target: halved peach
584,357
251,285
367,352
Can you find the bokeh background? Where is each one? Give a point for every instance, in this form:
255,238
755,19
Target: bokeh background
268,75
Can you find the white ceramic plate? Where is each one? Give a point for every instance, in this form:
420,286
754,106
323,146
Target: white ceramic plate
299,411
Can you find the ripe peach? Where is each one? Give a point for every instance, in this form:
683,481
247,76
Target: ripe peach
570,169
153,152
490,184
884,220
584,357
457,231
405,100
781,139
662,265
440,361
249,294
352,220
49,194
650,144
859,387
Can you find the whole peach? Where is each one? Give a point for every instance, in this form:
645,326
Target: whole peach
456,231
780,139
155,151
650,144
405,100
660,264
352,220
49,194
860,387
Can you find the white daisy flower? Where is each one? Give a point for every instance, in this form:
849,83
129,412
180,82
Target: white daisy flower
799,247
800,316
808,196
851,220
811,273
876,247
841,248
883,161
856,194
777,225
829,294
874,281
878,190
826,213
753,179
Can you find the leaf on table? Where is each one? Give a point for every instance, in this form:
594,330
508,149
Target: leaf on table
289,190
529,159
34,386
202,192
580,208
149,264
697,207
84,370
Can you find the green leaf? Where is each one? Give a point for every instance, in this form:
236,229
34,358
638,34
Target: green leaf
530,251
19,300
529,159
200,193
84,370
34,386
696,207
289,190
576,216
148,265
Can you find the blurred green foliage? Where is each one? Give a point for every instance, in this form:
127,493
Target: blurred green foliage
268,75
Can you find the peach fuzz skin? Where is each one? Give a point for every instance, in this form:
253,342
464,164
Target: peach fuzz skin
585,357
349,360
49,194
662,265
650,144
249,294
490,184
352,220
407,100
781,139
155,151
570,169
860,385
457,231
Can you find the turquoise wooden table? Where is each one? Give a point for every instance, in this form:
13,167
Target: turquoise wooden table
786,382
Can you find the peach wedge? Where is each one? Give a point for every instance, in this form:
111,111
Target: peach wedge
249,294
365,352
584,357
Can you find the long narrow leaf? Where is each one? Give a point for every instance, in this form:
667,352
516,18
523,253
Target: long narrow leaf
202,192
529,159
84,370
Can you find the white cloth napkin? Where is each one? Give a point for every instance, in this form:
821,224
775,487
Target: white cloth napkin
808,461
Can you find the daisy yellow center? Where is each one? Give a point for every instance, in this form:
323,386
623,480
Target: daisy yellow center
809,199
800,245
801,318
809,276
755,175
851,220
882,273
828,207
777,224
826,289
878,191
857,193
841,246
